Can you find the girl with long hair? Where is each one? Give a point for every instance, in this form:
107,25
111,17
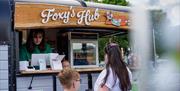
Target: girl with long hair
35,44
116,76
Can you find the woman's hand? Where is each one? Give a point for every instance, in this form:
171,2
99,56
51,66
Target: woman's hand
104,88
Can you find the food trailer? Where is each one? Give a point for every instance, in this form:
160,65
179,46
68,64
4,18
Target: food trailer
72,28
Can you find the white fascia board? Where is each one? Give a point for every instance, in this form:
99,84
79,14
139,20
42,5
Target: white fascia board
59,2
76,3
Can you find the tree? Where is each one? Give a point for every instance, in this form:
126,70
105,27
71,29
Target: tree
122,40
114,2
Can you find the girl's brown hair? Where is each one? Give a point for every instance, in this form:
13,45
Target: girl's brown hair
30,42
116,63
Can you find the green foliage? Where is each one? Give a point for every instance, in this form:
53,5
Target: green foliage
121,40
102,43
114,2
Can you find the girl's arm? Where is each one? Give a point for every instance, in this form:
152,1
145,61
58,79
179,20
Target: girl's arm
104,88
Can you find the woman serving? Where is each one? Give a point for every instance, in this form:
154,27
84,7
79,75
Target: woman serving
35,44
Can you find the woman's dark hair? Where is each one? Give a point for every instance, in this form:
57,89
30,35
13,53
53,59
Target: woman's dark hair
30,45
115,61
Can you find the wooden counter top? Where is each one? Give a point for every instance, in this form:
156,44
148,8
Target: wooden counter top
80,70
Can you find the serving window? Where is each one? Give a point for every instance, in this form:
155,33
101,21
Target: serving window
84,50
84,53
79,48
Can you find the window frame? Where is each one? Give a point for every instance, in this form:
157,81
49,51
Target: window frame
94,41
